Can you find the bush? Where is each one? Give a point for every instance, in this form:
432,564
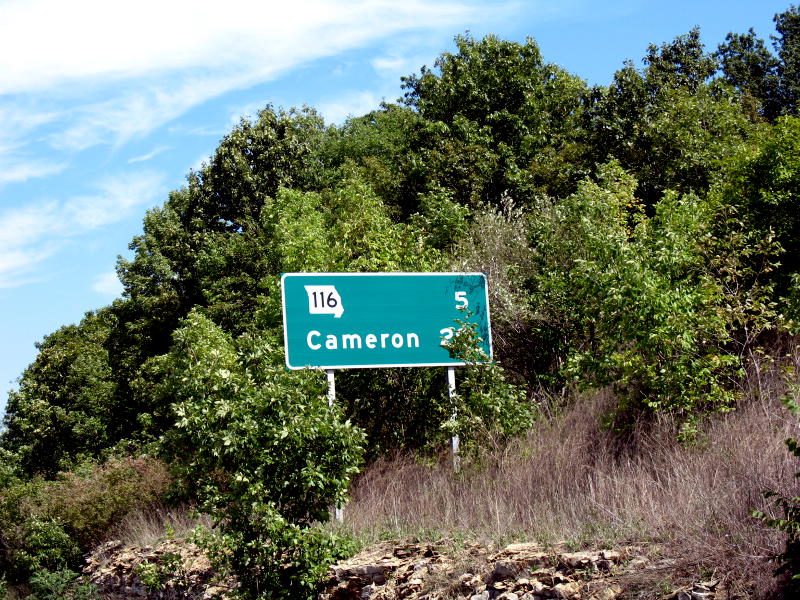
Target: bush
266,454
47,525
487,409
42,545
648,304
89,501
61,585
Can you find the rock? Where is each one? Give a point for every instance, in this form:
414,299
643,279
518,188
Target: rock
578,560
538,588
481,596
611,555
368,573
504,570
567,591
607,593
188,574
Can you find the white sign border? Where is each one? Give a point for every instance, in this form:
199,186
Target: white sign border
379,274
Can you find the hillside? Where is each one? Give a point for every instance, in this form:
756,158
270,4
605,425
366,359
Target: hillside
642,247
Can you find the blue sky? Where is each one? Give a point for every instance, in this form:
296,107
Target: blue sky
106,106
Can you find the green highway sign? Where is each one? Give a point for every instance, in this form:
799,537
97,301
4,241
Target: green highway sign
361,320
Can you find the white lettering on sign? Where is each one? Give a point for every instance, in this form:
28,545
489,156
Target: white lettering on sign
324,300
354,341
447,334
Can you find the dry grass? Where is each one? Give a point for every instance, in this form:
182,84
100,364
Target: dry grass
569,480
149,525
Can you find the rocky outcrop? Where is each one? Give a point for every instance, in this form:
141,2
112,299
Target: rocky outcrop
518,572
443,570
168,571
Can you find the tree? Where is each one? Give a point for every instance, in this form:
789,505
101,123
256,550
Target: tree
787,44
635,298
64,409
498,120
762,184
378,147
751,68
667,124
682,63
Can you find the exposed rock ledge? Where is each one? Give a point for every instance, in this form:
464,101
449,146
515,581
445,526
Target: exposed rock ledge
181,571
437,571
519,572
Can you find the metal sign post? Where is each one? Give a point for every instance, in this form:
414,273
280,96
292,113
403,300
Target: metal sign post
451,392
331,399
331,386
376,320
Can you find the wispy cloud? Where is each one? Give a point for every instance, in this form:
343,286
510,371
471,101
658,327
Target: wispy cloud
91,72
17,170
87,73
150,155
60,43
350,104
33,233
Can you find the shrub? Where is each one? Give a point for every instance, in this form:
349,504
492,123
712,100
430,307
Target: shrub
265,452
649,304
487,408
47,525
42,545
89,501
61,585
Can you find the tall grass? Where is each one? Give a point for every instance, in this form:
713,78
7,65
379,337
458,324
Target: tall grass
571,481
150,525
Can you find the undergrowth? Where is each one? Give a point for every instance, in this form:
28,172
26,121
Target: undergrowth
571,483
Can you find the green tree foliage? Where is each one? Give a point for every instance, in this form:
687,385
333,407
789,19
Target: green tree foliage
497,120
787,44
682,63
751,68
763,186
379,148
46,526
205,246
64,409
266,454
668,124
634,299
487,409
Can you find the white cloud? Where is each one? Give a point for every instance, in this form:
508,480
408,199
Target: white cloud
16,163
58,42
116,70
108,284
33,233
116,198
350,104
13,170
148,156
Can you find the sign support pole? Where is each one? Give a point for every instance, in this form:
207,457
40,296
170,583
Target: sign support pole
451,392
329,373
331,386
